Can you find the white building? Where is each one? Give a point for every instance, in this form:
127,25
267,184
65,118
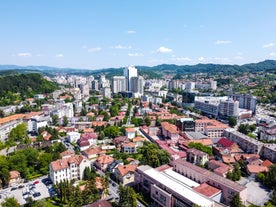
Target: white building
35,123
8,123
106,91
118,84
68,168
228,108
73,136
64,110
130,72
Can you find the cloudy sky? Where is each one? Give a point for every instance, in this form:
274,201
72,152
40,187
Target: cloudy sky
96,34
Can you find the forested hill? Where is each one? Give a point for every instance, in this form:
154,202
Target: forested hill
15,88
148,72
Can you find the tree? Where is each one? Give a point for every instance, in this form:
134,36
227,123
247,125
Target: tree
236,201
65,121
232,121
10,202
153,156
127,197
55,120
112,131
19,133
147,121
4,171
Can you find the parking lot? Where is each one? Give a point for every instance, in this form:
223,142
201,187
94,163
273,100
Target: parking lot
35,189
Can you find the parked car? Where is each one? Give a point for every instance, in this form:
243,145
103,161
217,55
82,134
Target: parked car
21,186
13,188
36,194
36,182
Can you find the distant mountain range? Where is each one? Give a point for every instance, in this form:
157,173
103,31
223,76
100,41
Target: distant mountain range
155,71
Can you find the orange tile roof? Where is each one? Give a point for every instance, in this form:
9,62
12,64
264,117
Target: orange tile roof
129,144
96,150
256,169
67,153
137,139
267,163
169,127
228,159
105,159
88,130
32,114
125,169
205,142
207,190
11,118
64,163
130,130
99,123
14,174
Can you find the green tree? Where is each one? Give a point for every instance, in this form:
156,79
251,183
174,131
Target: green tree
55,120
10,202
112,131
152,155
236,201
147,121
4,171
127,197
65,121
19,133
232,121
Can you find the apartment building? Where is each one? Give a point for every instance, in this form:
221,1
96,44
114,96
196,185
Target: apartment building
168,188
201,175
170,131
246,143
269,152
210,127
68,168
8,123
197,157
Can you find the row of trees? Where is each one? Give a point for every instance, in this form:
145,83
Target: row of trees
29,162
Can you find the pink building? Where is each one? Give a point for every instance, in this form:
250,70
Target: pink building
201,175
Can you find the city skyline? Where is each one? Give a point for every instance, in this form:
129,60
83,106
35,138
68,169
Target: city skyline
104,34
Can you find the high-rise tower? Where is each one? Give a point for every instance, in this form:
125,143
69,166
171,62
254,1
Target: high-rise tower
129,73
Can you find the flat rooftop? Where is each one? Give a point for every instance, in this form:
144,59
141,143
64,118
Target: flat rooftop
179,187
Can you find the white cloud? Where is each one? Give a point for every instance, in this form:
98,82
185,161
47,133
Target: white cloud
122,47
131,32
269,45
94,49
201,58
24,54
135,54
181,59
59,55
273,54
223,42
163,49
220,60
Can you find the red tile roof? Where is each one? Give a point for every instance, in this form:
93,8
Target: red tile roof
207,190
225,142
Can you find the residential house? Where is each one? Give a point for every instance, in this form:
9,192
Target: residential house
68,168
130,133
72,137
15,178
125,174
139,141
93,152
129,148
103,161
219,168
197,157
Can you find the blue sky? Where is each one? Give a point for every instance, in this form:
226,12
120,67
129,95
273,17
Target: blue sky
96,34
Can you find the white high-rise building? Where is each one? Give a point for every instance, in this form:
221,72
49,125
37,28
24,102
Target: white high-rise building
118,84
129,73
